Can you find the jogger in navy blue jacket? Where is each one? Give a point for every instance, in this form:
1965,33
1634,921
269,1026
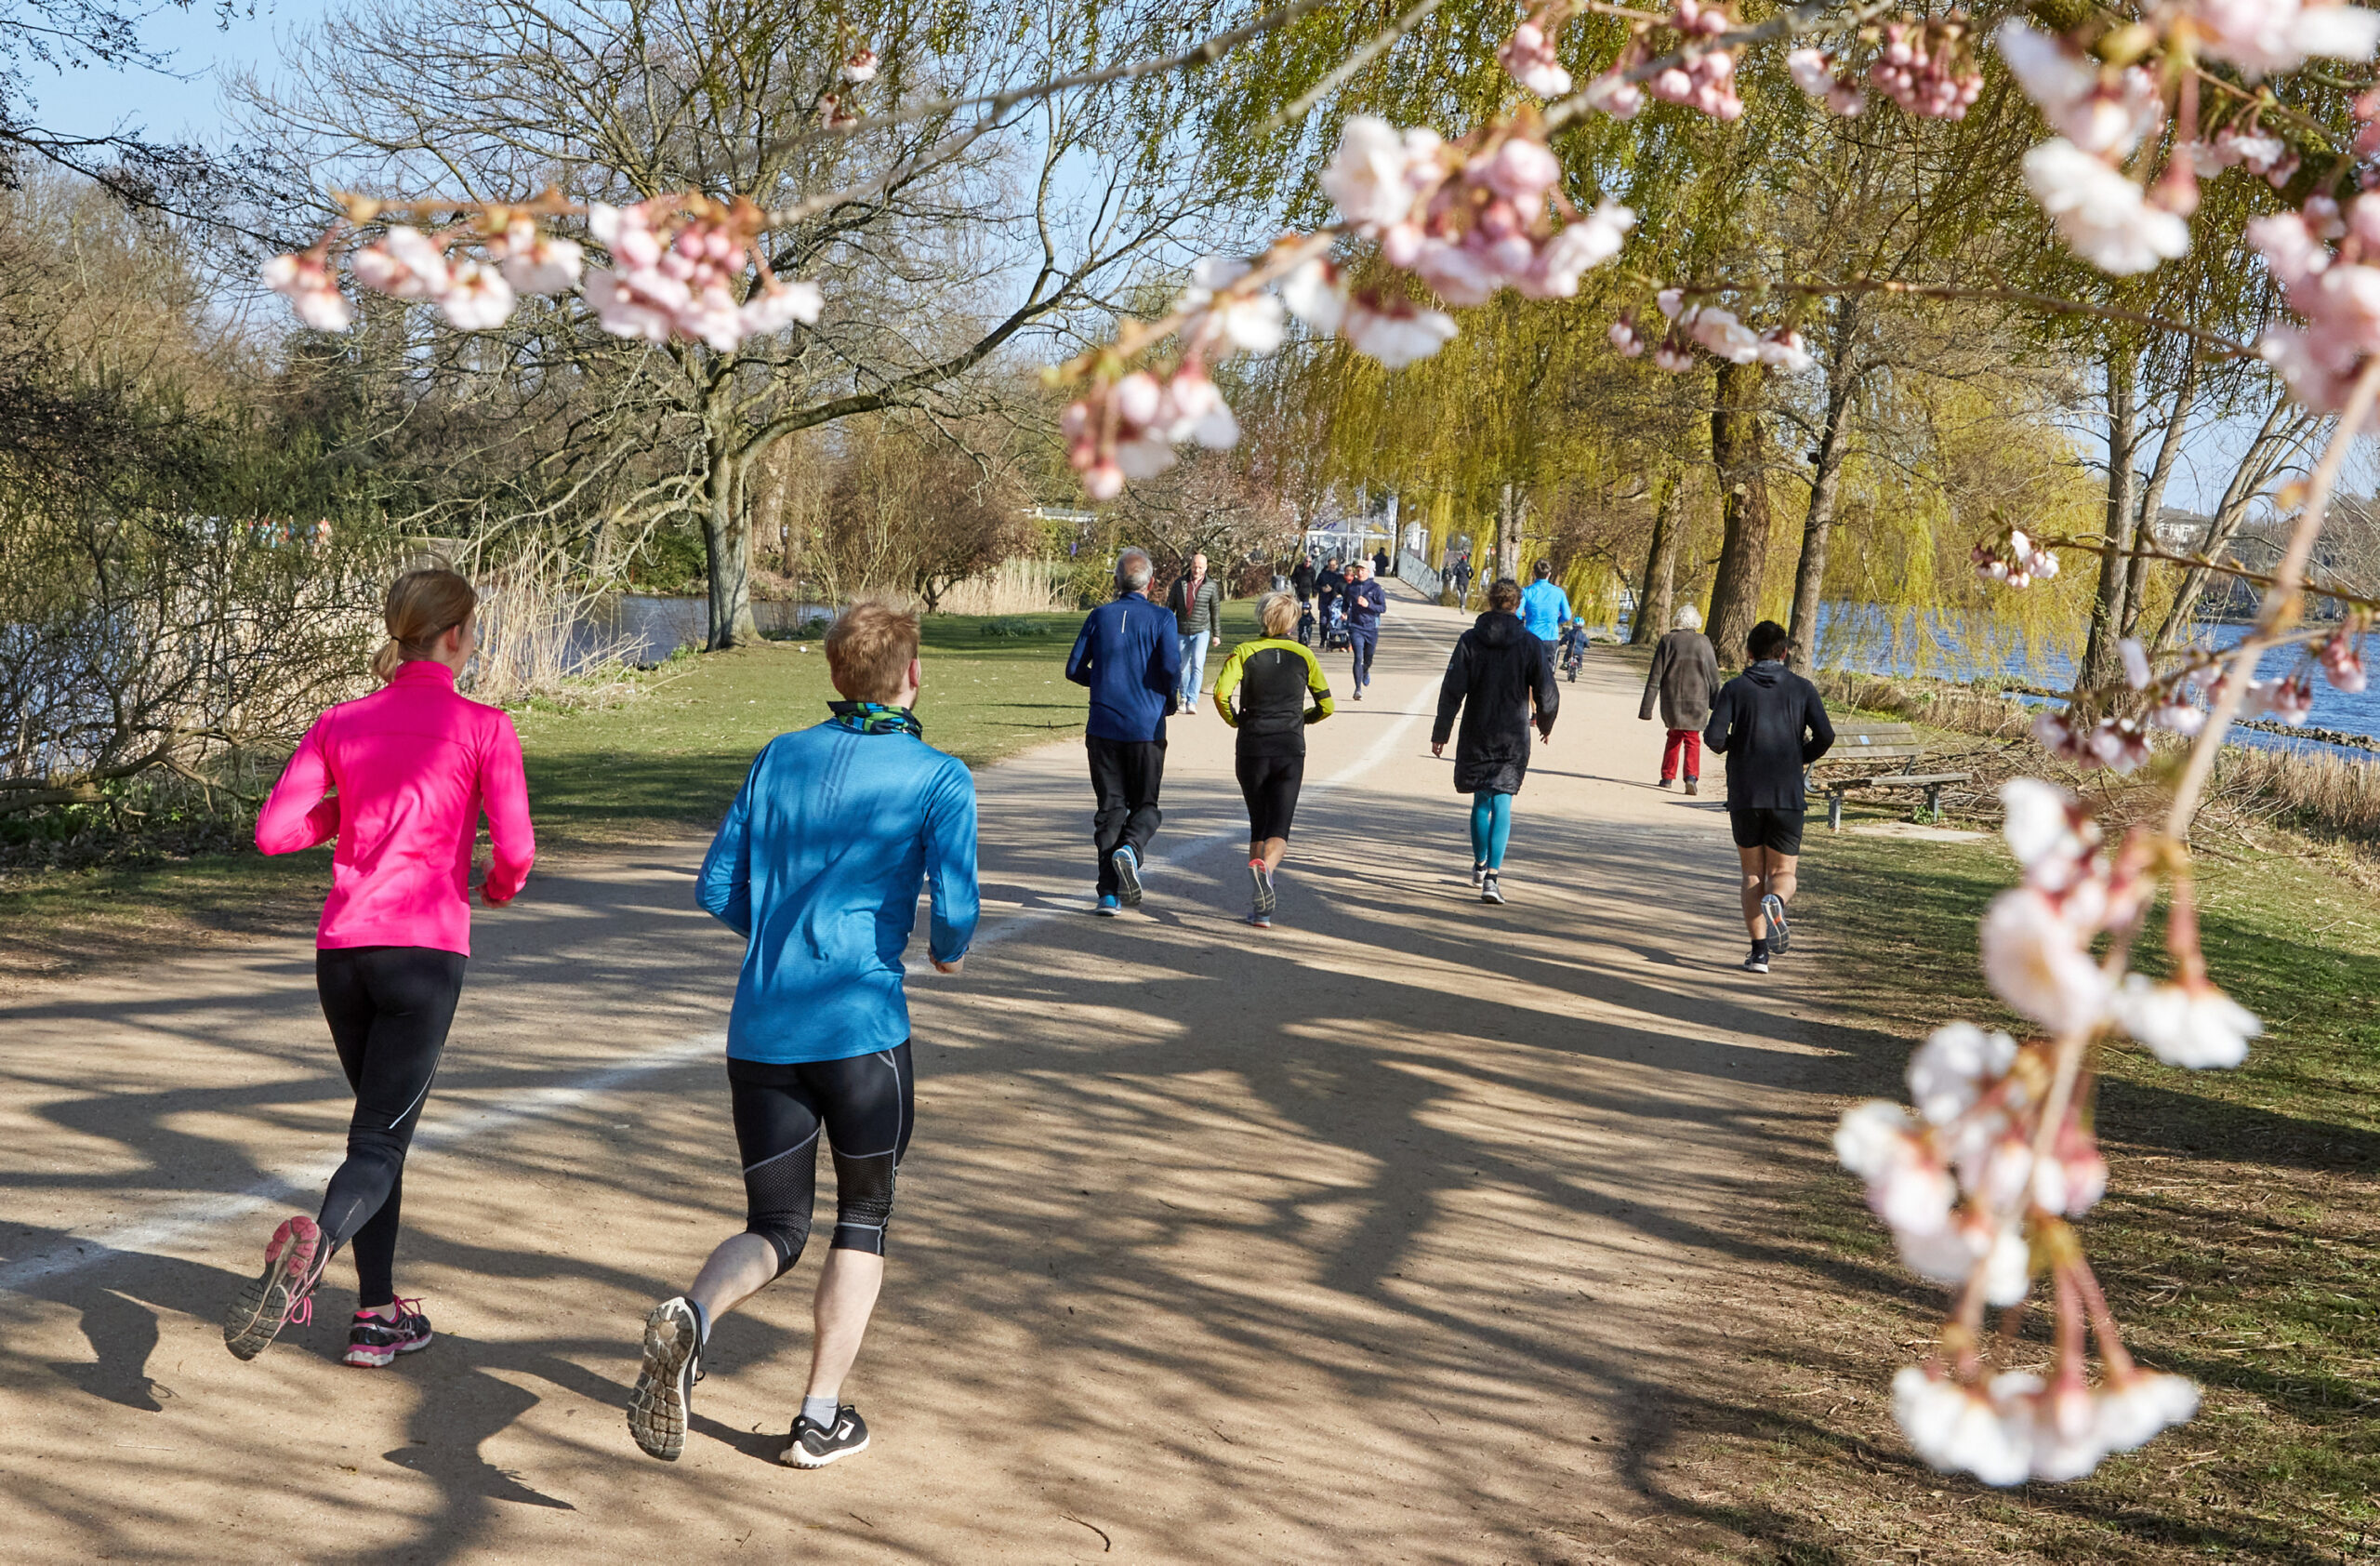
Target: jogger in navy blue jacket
1129,655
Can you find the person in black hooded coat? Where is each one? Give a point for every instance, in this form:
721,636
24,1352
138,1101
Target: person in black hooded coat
1502,682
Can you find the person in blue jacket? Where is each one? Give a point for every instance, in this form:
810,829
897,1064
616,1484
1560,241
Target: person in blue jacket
1367,602
817,866
1129,655
1546,608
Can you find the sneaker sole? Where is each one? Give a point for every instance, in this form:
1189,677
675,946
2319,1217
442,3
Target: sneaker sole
378,1359
657,1407
1779,937
1127,877
795,1457
262,1306
1265,903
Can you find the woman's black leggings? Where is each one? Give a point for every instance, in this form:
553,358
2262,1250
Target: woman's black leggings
866,1103
389,1008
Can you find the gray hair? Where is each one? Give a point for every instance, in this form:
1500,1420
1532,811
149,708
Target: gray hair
1133,570
1689,619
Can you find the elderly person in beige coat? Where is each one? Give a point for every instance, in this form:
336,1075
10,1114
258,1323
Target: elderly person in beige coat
1684,680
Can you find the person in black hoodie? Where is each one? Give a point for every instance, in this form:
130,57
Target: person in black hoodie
1769,724
1499,672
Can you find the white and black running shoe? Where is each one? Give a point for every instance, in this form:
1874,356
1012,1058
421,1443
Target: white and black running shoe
1478,869
374,1341
814,1446
282,1295
1489,891
1757,962
1261,884
1127,875
1772,907
664,1387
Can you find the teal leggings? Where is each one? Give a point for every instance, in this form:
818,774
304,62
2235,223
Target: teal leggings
1492,827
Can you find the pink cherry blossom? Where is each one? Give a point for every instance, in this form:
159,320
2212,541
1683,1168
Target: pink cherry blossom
538,262
1314,295
2048,831
1726,337
860,66
2101,214
1928,69
1950,1071
2099,116
2057,1425
2119,744
1196,411
1366,178
2179,717
2034,963
1951,1253
1625,337
1782,350
2265,36
476,298
2074,1176
1614,95
2192,1024
2134,1411
1957,1429
775,308
624,311
1813,70
2341,662
2290,701
1520,169
1394,331
1529,56
405,264
305,281
2135,662
1673,356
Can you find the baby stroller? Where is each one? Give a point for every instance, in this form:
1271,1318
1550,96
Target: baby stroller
1334,630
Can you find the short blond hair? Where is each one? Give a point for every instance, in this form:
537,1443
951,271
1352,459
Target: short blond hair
869,647
1279,613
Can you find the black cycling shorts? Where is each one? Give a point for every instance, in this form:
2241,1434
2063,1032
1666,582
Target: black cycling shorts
864,1103
1780,832
1270,784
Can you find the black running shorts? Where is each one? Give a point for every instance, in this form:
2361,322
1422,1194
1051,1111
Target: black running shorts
865,1104
1780,832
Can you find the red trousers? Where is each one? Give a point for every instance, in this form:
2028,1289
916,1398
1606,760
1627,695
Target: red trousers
1685,743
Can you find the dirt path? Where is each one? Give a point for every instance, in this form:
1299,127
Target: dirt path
1412,1230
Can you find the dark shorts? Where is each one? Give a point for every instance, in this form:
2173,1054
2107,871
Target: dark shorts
866,1105
1270,784
1780,832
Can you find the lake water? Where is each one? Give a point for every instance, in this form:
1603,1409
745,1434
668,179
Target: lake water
647,628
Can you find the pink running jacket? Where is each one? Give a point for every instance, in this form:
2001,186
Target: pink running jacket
413,764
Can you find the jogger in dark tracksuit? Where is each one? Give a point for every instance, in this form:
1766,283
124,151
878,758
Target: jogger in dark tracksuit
1366,601
399,779
1129,654
1770,723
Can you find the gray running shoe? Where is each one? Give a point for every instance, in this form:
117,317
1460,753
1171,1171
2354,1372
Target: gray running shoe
1772,907
1127,875
1478,869
664,1387
1757,962
814,1446
281,1295
1261,882
1489,891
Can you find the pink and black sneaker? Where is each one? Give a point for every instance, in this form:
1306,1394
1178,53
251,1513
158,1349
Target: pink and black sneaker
373,1340
282,1294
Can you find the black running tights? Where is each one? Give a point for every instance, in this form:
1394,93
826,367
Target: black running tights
864,1103
389,1008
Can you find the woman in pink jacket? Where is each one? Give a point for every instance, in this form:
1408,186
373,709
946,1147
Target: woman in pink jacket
399,779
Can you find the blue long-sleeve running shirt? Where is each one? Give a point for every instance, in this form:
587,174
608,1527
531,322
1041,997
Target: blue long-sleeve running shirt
818,866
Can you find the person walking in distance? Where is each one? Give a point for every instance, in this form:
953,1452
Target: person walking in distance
1301,583
1502,681
1770,723
817,866
1328,585
1546,608
1196,600
1129,654
1367,602
1269,690
413,766
1684,680
1381,562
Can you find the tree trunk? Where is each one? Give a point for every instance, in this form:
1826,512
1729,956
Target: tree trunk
1736,451
2284,433
2153,497
2099,658
727,541
1657,600
1809,577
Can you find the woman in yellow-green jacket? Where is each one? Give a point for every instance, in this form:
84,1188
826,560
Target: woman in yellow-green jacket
1269,690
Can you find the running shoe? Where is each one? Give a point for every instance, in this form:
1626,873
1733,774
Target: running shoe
1666,783
1359,693
373,1340
1262,882
1478,868
1261,920
1694,785
1772,907
282,1294
1127,875
1489,891
1757,962
1108,907
664,1387
814,1446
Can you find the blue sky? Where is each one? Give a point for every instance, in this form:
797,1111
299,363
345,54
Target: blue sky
183,103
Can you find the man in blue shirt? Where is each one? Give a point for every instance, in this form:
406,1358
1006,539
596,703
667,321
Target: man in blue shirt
1546,608
1130,657
817,866
1366,601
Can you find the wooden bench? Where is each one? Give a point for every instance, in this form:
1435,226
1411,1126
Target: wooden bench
1880,746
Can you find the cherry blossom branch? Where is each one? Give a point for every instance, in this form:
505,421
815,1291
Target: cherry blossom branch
2318,587
2283,602
1789,24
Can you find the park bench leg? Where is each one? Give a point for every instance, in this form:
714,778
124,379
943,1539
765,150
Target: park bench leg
1933,802
1834,809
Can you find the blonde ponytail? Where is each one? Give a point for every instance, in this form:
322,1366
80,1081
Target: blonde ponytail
422,606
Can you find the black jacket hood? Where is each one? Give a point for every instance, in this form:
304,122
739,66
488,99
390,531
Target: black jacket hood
1498,628
1767,672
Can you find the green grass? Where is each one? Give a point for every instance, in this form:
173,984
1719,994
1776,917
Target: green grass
660,764
2241,1238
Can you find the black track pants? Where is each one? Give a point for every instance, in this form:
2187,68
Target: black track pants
1126,774
866,1103
389,1008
